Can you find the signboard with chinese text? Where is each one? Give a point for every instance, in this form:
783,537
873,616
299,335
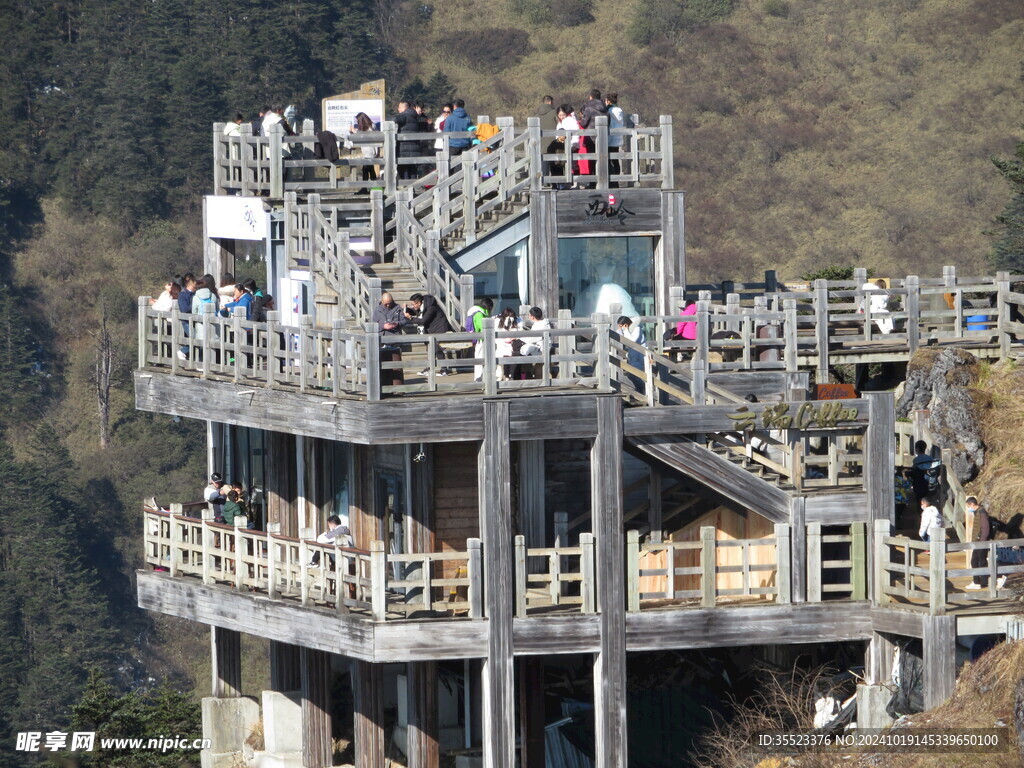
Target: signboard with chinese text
339,112
234,217
623,211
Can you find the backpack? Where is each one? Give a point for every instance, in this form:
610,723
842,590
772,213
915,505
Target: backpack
627,120
486,131
469,319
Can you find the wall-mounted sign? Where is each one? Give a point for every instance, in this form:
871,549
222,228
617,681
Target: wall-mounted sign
623,211
339,112
835,392
807,416
236,218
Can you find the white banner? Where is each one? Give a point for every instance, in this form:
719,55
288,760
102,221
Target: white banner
236,218
339,114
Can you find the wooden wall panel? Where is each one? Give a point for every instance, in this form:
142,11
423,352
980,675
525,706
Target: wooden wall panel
456,507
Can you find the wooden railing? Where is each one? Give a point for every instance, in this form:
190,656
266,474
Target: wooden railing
837,563
382,585
566,580
919,574
276,163
331,258
691,570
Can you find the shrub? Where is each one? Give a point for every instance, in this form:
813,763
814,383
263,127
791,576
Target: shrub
672,17
776,8
490,49
571,13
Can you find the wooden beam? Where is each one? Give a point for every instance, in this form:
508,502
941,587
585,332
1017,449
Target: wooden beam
798,547
878,659
880,455
939,659
494,480
226,662
422,749
317,747
285,674
368,685
531,492
610,662
670,256
543,253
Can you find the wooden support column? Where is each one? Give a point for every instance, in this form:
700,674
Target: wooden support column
368,682
939,659
880,456
798,547
878,660
226,662
317,750
422,749
670,255
284,667
610,662
496,532
531,712
543,253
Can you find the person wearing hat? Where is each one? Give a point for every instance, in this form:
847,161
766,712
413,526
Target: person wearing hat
214,495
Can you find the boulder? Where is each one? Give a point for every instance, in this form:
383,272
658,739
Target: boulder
940,381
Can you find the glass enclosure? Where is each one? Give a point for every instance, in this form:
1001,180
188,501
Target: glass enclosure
596,272
503,278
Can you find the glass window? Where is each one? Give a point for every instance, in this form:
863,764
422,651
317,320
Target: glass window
503,278
596,272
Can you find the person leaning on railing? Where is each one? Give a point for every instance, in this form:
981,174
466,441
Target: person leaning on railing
424,310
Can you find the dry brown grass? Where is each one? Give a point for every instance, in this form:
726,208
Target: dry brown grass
1000,484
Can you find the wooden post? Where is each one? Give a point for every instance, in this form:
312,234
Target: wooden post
667,163
372,346
708,567
466,294
285,672
858,562
588,574
389,156
913,307
421,682
610,663
798,545
490,372
226,662
936,571
821,329
315,666
601,150
880,455
878,666
475,592
602,363
368,682
520,583
470,160
632,570
1003,313
536,150
783,577
143,342
272,530
814,562
790,335
378,576
276,161
939,659
880,576
494,480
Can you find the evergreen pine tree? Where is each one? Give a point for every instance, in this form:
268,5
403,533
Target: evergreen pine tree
1008,250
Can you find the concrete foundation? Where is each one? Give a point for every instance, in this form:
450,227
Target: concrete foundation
871,703
227,723
282,730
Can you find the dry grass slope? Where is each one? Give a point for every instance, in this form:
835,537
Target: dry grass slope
847,131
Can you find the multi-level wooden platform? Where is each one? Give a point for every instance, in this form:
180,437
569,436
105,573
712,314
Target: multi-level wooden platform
617,498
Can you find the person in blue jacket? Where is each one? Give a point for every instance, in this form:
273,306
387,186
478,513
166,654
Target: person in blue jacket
458,122
242,299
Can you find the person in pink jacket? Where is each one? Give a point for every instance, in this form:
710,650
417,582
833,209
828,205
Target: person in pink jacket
687,330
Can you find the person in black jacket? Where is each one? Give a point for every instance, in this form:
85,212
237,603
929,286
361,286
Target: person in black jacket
424,310
408,122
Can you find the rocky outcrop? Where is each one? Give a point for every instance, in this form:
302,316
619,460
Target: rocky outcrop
940,381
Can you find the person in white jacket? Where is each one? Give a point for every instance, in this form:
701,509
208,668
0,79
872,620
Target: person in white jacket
930,518
877,299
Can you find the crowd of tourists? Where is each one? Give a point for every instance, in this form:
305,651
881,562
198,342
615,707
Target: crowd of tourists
414,117
191,295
